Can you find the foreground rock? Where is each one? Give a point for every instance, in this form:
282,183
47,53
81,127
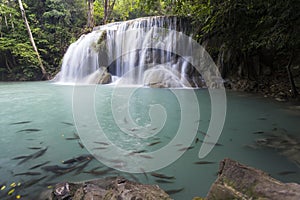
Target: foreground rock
237,181
111,188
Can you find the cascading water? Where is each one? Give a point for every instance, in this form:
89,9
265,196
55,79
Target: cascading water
128,49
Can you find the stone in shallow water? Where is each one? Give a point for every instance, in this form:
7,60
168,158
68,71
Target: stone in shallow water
111,188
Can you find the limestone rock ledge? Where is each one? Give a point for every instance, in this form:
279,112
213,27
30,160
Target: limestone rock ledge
238,181
111,188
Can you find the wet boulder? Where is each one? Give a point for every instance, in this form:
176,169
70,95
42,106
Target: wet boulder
110,188
238,181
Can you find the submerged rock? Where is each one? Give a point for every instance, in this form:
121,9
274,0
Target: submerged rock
111,188
238,181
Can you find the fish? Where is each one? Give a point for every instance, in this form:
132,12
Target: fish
34,148
174,191
99,172
185,148
196,140
33,182
72,138
20,157
59,169
103,143
101,148
68,123
203,162
39,165
78,159
29,130
31,156
163,181
25,159
137,152
22,122
261,118
28,174
80,144
211,143
162,176
80,168
39,153
286,173
145,174
146,156
258,132
203,133
154,143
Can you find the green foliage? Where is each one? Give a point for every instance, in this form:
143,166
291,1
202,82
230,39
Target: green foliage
245,27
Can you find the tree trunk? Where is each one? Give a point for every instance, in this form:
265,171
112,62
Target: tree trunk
291,79
45,74
105,11
91,21
108,8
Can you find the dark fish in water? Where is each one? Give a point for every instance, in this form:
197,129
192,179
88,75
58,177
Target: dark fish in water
99,172
25,159
211,143
23,122
103,143
261,118
59,169
196,140
163,181
137,152
20,157
95,168
154,143
185,148
101,148
73,138
80,144
81,167
286,173
203,162
169,192
31,156
33,181
145,174
39,165
39,153
203,133
162,176
29,130
68,123
146,156
178,145
79,159
28,174
34,148
258,132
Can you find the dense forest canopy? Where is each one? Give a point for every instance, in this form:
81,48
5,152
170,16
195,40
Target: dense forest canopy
237,32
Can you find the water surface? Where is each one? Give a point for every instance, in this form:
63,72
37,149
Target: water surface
39,114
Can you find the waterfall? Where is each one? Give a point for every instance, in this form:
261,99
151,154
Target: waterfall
128,49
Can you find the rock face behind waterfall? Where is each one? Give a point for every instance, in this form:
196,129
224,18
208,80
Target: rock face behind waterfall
129,49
